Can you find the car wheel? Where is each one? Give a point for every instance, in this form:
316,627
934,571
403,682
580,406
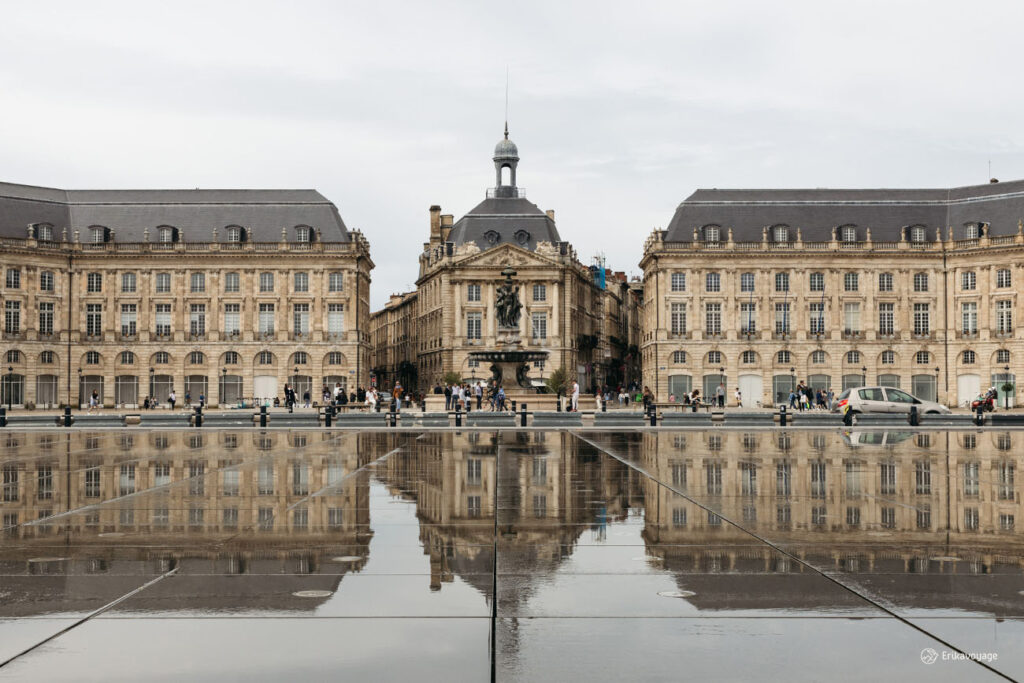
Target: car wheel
932,412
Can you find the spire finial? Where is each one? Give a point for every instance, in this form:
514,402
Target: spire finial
506,130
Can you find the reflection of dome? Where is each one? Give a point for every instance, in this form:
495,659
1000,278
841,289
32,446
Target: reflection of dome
506,149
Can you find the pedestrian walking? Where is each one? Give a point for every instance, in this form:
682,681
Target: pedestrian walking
720,395
172,398
739,398
575,396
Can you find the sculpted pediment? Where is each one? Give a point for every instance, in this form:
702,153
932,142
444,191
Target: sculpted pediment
509,255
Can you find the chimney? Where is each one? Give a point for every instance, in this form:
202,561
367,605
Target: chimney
435,224
446,226
550,213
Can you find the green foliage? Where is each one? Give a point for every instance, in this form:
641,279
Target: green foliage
452,377
1007,388
557,381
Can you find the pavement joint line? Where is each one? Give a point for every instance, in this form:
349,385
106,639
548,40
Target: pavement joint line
867,598
91,615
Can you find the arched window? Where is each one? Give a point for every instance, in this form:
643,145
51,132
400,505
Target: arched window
127,358
748,357
817,357
46,358
231,358
1003,356
92,358
679,357
969,357
888,358
14,356
265,358
334,358
853,357
848,233
783,358
161,358
922,357
714,357
196,358
300,358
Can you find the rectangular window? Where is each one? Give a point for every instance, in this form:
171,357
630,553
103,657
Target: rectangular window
781,282
474,471
889,517
1004,480
923,478
163,320
746,282
129,319
300,318
851,317
971,479
782,318
851,282
540,292
335,282
13,278
232,319
300,479
885,282
678,282
197,283
818,480
12,317
197,319
10,492
678,319
888,476
94,282
713,282
1003,278
473,508
266,319
126,481
265,479
817,318
92,482
163,283
971,519
1004,317
46,281
93,319
44,482
886,319
783,479
46,318
266,282
748,479
539,325
817,282
748,317
472,292
301,282
232,282
713,319
473,325
714,478
922,320
969,317
128,283
161,474
968,280
335,318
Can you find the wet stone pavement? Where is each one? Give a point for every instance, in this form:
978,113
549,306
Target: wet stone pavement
512,555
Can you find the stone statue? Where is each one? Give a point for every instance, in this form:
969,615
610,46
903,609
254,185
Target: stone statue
506,304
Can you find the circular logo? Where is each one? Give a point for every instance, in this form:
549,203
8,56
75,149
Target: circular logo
928,655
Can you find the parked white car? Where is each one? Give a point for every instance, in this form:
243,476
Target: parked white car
885,400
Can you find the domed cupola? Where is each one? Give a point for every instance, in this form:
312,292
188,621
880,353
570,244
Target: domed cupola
506,155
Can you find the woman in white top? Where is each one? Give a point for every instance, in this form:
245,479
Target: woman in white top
371,400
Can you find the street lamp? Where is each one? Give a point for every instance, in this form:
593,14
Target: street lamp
1006,382
10,385
80,387
152,392
864,373
223,385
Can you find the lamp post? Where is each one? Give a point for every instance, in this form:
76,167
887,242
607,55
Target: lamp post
80,387
864,374
10,385
223,385
1006,382
152,393
936,382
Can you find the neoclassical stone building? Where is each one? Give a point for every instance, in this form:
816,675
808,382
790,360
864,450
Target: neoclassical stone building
840,288
564,304
226,293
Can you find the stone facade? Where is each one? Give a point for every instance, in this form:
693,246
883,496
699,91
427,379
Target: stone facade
931,310
232,320
393,348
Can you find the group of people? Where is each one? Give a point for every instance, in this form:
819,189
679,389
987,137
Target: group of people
806,397
466,396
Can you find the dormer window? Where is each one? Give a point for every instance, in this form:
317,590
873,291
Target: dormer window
97,235
492,237
234,234
848,233
917,234
303,234
780,234
166,235
712,233
522,237
972,231
44,233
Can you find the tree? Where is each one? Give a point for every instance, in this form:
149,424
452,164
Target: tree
452,377
557,380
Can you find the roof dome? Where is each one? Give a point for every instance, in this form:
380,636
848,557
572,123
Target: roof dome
506,149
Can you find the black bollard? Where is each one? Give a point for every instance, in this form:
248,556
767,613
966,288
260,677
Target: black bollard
378,405
513,405
654,416
558,402
263,416
3,416
328,415
604,405
782,416
522,415
979,416
458,416
693,407
67,416
199,416
393,418
914,417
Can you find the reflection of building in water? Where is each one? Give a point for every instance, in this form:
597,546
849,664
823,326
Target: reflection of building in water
856,501
255,503
547,495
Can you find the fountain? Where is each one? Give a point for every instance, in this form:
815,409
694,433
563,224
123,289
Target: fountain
509,363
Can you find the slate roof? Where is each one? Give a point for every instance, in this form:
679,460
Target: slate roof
505,219
885,211
263,213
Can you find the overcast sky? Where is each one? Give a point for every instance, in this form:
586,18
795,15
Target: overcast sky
620,109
